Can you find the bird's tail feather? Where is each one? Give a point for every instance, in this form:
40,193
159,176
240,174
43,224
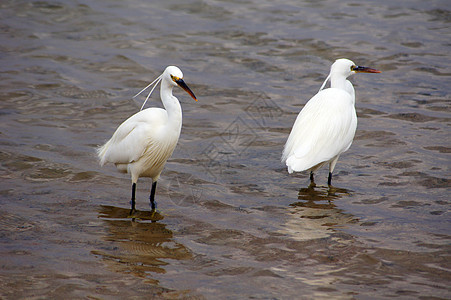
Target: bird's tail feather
101,153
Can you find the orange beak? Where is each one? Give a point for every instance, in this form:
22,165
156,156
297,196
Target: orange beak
359,69
183,85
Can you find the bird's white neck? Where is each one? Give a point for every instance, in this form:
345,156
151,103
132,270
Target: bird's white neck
338,81
171,104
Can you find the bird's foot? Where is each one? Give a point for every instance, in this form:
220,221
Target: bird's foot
132,210
329,180
312,185
132,213
153,206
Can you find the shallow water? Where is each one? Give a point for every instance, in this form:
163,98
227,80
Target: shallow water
231,222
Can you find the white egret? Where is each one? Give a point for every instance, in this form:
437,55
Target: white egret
143,143
326,126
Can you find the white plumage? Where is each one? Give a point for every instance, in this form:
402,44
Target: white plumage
326,126
143,143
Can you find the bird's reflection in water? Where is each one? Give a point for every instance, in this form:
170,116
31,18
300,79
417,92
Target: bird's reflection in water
315,215
139,246
314,195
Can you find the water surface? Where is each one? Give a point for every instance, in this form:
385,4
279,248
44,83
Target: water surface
231,222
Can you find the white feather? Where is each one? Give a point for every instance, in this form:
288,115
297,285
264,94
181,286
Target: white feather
326,126
142,144
323,129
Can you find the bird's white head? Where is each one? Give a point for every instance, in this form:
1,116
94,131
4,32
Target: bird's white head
343,68
346,68
171,73
174,76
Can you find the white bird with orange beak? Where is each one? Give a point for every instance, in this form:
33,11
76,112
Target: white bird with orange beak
326,126
143,143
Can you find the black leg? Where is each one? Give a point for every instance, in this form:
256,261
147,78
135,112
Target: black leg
312,181
329,179
152,195
132,202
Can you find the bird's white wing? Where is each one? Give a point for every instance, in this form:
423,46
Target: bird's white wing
323,129
133,137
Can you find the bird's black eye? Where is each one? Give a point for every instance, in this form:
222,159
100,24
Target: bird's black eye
353,68
175,78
